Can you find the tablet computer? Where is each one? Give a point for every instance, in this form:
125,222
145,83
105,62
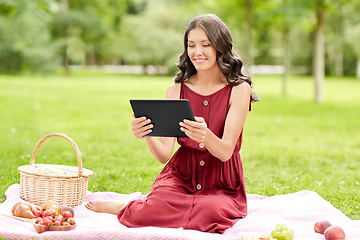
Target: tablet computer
165,115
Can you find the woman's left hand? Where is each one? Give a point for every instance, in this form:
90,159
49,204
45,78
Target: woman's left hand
196,130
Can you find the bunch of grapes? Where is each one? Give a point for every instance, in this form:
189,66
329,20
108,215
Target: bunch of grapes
282,232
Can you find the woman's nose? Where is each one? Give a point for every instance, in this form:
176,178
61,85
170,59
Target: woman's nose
198,51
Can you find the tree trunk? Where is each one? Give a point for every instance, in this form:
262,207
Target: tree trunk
339,57
286,57
286,61
65,61
319,56
358,68
65,8
249,39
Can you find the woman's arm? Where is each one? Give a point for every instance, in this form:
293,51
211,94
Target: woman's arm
222,148
163,147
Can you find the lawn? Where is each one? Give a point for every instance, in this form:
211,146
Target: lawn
290,143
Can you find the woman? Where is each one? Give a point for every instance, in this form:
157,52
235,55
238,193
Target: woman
202,185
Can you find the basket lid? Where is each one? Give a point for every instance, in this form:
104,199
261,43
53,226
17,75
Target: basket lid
52,170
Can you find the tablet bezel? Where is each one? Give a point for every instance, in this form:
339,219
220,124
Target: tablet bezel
165,115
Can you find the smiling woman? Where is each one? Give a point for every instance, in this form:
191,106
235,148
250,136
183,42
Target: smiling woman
202,186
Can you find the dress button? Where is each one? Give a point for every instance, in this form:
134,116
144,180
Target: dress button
202,163
201,145
198,186
206,103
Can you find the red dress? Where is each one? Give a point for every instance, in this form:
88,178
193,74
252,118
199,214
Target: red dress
195,190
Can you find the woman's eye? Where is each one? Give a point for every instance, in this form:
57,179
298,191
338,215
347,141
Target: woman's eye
206,45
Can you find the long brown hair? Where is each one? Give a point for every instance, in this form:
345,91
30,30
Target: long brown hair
226,57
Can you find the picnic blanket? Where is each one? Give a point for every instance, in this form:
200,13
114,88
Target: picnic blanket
298,211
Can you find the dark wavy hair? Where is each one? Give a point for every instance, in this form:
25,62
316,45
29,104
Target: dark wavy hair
226,57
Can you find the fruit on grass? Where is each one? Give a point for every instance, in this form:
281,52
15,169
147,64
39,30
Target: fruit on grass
282,232
321,225
67,208
334,233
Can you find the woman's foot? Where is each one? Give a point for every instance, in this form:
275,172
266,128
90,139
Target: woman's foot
106,206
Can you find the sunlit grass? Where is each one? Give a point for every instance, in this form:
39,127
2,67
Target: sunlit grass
290,143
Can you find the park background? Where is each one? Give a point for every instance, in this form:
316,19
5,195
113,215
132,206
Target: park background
60,64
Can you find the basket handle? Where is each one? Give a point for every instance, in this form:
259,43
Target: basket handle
78,154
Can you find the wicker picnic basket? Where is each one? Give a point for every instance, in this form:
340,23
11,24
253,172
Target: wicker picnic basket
65,185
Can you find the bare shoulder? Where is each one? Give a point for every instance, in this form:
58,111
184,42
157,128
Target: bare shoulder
173,91
241,90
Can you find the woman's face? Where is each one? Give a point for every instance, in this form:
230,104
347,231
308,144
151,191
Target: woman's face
200,50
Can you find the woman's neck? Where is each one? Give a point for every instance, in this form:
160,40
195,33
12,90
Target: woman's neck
207,82
211,76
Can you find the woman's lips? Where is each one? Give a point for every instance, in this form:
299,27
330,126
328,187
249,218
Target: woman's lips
199,60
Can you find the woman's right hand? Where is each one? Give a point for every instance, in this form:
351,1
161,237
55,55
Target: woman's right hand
140,126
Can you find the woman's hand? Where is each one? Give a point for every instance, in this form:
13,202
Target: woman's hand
140,126
196,130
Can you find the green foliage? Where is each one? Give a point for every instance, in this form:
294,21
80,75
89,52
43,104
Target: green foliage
149,32
25,41
154,37
290,144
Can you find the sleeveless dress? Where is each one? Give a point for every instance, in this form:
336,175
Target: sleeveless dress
195,190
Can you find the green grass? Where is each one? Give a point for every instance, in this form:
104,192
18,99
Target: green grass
290,143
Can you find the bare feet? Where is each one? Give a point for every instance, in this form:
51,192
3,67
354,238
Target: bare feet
106,206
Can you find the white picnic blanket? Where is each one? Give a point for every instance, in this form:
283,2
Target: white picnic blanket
298,211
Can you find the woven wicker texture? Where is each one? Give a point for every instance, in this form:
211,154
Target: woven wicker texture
65,185
51,170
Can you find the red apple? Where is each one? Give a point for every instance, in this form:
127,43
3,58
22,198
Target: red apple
334,233
321,225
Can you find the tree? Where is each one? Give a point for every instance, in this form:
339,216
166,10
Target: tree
352,30
319,51
25,41
153,37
